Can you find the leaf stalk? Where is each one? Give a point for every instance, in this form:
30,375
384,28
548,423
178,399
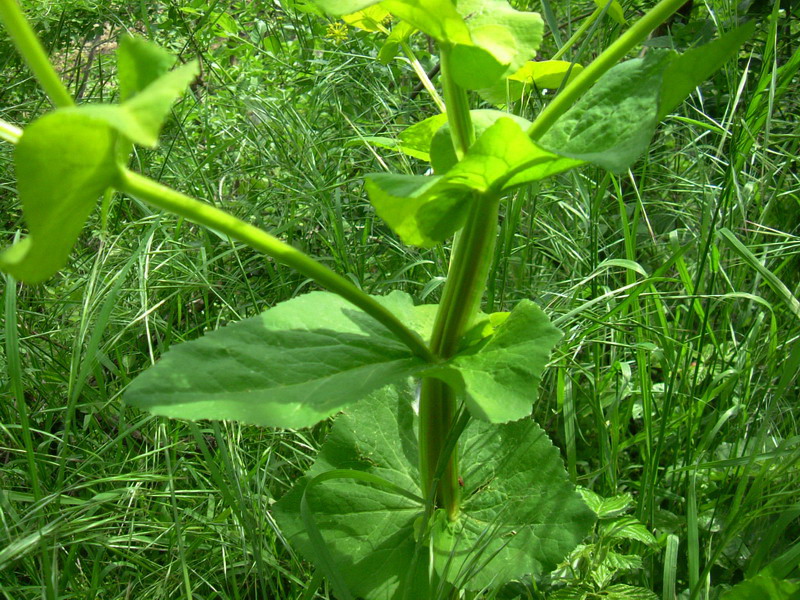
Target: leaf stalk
204,214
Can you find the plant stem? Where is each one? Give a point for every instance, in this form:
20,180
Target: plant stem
32,51
458,115
423,76
10,133
204,214
610,56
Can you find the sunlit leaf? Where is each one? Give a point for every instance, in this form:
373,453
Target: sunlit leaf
546,74
499,378
614,10
291,366
64,161
368,19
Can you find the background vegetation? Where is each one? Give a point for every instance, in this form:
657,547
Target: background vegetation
676,283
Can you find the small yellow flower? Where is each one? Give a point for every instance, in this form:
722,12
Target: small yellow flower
337,32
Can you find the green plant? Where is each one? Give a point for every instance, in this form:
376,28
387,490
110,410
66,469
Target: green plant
463,491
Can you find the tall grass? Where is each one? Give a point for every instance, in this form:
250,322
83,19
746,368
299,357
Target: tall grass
676,285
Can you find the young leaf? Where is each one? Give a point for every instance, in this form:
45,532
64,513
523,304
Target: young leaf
515,484
546,74
424,211
499,378
140,63
291,366
520,514
400,33
611,125
140,118
368,19
64,161
614,10
502,39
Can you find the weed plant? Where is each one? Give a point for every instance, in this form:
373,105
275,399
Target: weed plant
675,283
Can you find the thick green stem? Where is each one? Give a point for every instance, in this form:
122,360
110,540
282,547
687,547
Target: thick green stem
610,57
202,213
32,51
458,115
460,300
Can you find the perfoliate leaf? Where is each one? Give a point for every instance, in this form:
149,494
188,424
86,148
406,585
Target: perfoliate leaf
291,366
418,137
140,63
400,33
368,19
501,40
520,514
611,125
546,74
140,118
424,211
443,155
614,10
64,162
499,378
694,66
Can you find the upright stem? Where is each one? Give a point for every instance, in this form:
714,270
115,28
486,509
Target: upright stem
201,213
32,51
578,33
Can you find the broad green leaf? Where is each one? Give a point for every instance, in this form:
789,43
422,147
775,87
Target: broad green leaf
400,33
520,514
64,162
501,40
515,483
502,158
424,211
546,74
611,125
291,366
614,10
443,155
499,378
438,18
368,19
763,587
418,137
139,64
694,66
618,591
337,8
140,118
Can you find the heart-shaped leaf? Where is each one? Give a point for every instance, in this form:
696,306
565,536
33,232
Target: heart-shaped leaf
64,161
520,514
